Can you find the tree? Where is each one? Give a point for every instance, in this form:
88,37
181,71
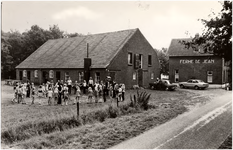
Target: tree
163,60
6,58
217,36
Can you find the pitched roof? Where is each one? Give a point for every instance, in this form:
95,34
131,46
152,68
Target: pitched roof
178,49
70,52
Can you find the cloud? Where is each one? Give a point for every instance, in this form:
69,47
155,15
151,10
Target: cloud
81,12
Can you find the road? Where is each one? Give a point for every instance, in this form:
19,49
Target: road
203,127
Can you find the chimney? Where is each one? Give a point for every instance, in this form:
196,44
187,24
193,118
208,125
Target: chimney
87,65
87,50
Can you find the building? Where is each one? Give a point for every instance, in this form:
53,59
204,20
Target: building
186,63
125,55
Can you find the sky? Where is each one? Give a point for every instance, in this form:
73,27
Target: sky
159,21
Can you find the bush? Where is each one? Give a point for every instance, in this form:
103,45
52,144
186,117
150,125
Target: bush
140,101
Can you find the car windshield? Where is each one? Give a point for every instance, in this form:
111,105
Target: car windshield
200,81
167,82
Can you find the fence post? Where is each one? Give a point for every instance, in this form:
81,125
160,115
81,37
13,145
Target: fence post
78,108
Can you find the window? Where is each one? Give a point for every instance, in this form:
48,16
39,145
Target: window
80,76
134,76
130,58
36,73
97,77
51,74
209,76
176,75
66,76
152,76
24,73
149,60
140,60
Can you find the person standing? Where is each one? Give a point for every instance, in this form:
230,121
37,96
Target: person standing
96,91
75,87
78,94
28,89
50,95
24,89
60,93
119,93
90,94
56,94
91,83
33,93
69,83
123,91
84,85
40,93
66,94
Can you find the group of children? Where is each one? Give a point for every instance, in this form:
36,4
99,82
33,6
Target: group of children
59,93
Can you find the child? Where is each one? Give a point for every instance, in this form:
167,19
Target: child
123,91
15,93
78,94
90,94
119,93
44,90
20,94
111,91
55,94
66,95
96,92
33,93
40,93
50,95
24,91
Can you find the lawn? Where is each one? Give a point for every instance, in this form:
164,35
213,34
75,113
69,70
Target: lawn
167,105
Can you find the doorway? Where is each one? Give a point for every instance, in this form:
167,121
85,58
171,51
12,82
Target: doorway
140,77
58,75
20,75
45,76
29,75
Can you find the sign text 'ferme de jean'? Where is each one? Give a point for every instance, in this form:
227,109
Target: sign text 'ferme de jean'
197,61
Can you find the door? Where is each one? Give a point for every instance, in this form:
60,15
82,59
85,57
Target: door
29,75
45,76
20,75
112,75
58,75
209,76
140,77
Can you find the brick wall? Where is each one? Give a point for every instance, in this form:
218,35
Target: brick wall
196,67
136,45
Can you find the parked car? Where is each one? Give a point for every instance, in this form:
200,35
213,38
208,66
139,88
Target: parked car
163,85
194,83
228,86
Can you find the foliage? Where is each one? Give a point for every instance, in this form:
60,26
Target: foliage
217,36
31,129
141,100
16,47
163,60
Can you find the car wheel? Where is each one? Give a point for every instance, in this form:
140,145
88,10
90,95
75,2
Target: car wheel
182,86
196,87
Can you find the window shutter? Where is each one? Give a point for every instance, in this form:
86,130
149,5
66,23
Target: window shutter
136,61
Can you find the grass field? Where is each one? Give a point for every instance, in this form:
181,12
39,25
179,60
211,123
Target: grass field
104,134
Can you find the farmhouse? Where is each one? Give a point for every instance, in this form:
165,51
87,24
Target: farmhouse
125,55
185,63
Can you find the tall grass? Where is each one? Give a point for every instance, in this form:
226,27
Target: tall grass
59,123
